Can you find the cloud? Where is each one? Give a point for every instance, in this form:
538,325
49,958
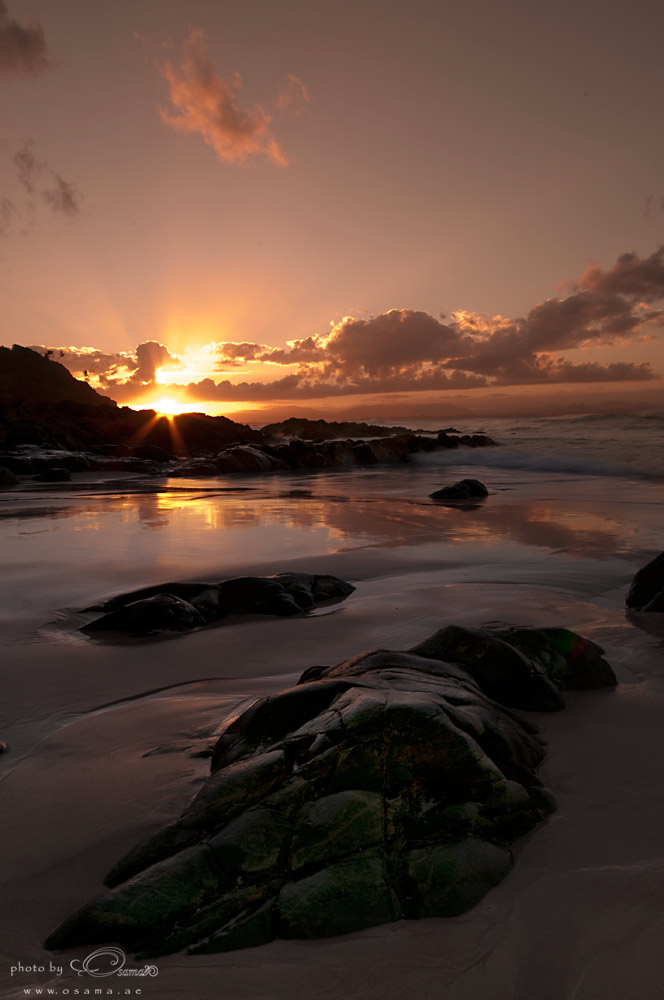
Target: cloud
23,50
7,215
631,277
293,96
118,373
407,350
206,103
62,196
37,184
150,356
298,386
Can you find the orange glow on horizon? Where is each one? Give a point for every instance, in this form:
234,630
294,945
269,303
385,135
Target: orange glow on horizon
170,406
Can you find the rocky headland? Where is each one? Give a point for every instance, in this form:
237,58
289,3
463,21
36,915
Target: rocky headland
52,426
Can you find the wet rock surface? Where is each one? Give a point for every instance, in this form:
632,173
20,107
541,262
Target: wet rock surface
388,786
646,592
181,606
243,452
465,489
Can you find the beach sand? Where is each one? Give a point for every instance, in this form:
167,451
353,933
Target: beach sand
101,735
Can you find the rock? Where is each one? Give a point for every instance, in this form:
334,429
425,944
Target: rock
130,464
451,878
340,898
151,453
54,475
247,459
656,605
18,464
572,662
196,469
154,614
445,440
465,489
181,606
647,590
388,786
7,478
522,667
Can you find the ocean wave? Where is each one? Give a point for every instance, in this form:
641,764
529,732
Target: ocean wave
638,467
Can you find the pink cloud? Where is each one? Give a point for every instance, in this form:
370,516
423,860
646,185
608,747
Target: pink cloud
204,102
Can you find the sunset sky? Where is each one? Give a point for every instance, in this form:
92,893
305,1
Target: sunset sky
322,205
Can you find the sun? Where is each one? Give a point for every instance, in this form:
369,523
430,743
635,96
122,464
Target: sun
168,407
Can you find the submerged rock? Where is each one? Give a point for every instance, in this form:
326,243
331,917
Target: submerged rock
182,606
647,590
465,489
388,786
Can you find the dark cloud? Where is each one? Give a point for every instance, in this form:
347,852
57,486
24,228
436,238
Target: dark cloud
149,357
37,185
206,103
28,167
62,196
23,50
632,277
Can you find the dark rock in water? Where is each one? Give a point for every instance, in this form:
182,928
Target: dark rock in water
248,459
54,475
196,469
3,746
465,489
7,478
154,614
151,453
181,606
389,786
647,590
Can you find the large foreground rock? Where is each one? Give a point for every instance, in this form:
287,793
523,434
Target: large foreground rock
647,590
182,606
389,786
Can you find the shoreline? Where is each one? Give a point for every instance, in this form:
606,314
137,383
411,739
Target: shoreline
84,768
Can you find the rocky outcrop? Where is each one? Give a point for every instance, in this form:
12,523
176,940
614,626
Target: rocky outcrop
177,607
327,430
647,590
465,489
389,786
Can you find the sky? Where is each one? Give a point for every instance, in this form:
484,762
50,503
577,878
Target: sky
335,205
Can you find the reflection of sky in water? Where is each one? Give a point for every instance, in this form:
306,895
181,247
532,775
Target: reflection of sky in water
127,538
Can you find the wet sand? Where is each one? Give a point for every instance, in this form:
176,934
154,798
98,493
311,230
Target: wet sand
101,735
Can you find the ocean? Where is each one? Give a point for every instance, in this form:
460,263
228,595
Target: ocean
100,734
615,444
